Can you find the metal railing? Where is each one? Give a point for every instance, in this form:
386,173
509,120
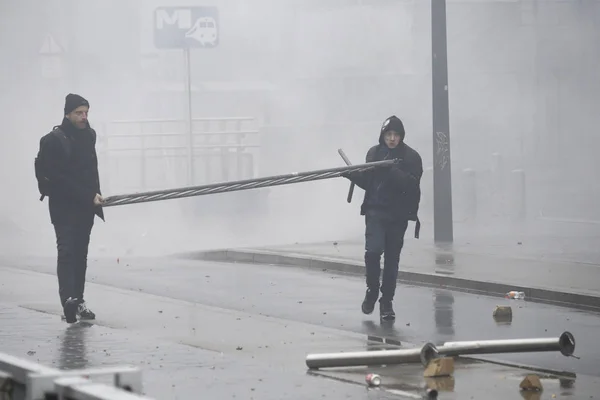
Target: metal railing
25,380
154,153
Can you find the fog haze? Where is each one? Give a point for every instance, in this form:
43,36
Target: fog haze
308,77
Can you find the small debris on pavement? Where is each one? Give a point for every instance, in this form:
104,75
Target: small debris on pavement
440,384
439,367
513,294
502,311
503,315
531,382
373,380
239,348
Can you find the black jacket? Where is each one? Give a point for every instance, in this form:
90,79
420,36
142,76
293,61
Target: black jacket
73,175
394,191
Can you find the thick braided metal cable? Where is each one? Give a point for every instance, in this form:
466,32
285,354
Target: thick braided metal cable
296,177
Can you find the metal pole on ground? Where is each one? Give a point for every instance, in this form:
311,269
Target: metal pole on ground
565,344
421,355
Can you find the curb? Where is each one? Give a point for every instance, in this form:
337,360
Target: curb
351,267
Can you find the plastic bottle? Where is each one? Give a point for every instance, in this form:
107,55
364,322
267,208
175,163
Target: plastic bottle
515,295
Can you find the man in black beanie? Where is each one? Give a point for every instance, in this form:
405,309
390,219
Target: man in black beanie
392,197
67,172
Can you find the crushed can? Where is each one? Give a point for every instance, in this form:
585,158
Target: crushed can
513,294
373,380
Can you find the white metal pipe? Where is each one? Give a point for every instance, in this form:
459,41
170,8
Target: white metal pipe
378,357
565,344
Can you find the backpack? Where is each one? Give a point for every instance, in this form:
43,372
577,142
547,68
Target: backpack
41,161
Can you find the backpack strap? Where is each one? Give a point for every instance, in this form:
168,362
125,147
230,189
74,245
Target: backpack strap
63,138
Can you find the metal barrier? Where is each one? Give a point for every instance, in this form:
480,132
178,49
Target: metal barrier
152,154
25,380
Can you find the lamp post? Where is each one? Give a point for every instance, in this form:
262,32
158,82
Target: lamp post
442,176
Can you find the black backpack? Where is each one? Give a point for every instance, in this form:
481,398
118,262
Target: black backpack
41,161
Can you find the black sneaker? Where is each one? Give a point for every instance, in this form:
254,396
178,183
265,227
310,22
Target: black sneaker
85,313
70,309
386,311
368,304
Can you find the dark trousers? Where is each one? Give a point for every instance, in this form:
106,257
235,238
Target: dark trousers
383,235
72,241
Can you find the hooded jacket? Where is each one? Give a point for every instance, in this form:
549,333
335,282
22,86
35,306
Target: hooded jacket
394,191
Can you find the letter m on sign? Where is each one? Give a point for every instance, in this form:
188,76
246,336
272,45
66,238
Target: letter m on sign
170,26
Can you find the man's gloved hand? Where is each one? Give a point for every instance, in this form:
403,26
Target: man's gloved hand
398,171
398,163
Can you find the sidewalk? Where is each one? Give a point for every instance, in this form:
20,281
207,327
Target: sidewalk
474,268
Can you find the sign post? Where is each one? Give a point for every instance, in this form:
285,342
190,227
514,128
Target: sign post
52,58
185,28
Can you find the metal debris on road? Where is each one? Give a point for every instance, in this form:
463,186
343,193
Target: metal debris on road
373,379
365,358
565,343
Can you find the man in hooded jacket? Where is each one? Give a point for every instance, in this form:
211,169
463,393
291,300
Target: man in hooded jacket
68,166
392,197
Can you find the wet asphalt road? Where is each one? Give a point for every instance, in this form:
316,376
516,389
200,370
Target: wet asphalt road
250,326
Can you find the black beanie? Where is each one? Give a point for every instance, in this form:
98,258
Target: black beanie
72,101
393,123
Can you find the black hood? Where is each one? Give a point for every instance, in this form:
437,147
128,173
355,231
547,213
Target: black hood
392,123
